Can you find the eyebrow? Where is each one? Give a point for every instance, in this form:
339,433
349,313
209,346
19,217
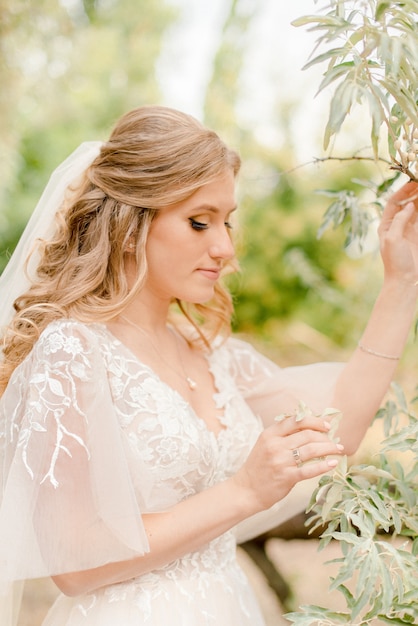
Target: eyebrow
212,209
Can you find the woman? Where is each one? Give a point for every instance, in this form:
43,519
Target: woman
136,433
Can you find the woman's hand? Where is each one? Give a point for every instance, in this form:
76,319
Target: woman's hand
269,473
398,233
284,454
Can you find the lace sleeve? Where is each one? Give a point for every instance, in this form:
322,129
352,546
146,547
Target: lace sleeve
271,390
68,502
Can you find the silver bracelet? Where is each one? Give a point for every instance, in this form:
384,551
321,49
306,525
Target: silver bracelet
383,356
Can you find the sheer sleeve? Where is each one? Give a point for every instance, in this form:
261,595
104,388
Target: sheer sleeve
271,390
68,502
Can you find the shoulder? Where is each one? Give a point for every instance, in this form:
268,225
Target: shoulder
242,358
69,346
235,347
68,336
66,365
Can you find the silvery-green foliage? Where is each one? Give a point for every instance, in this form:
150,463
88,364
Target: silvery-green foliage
356,211
372,58
372,511
370,48
346,207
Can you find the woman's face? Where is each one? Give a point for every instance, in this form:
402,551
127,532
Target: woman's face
189,242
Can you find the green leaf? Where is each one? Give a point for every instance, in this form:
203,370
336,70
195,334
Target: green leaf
349,598
320,20
385,186
310,614
396,621
381,9
344,97
334,73
334,53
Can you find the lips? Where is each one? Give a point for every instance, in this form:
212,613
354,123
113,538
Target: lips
211,273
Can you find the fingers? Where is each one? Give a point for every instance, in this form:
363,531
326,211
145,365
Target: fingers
398,224
311,470
305,441
284,454
290,424
408,192
312,451
399,245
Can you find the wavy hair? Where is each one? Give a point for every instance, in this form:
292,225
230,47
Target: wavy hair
155,156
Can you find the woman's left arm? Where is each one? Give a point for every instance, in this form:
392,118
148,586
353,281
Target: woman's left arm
365,379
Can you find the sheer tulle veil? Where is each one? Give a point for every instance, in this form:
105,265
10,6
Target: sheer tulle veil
16,277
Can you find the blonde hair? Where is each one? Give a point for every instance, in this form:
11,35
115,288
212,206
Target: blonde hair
154,157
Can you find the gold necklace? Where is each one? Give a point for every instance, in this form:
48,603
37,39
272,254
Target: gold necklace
192,383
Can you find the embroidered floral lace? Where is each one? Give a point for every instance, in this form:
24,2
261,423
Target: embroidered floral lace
91,438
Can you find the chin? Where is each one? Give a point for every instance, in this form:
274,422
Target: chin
198,298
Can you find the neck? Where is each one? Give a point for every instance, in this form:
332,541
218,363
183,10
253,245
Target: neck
151,318
148,334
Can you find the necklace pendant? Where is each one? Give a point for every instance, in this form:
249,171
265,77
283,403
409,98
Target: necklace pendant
192,383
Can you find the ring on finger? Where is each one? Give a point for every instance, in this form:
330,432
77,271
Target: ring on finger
296,457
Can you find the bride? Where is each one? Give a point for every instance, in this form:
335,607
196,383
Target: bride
138,435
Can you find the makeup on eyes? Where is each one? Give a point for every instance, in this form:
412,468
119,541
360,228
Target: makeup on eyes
199,223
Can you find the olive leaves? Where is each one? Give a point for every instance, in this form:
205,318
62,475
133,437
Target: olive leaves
372,59
370,48
372,511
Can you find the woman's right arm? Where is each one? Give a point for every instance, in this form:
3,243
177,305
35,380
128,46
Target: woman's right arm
267,476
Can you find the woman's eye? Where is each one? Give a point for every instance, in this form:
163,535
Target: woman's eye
197,225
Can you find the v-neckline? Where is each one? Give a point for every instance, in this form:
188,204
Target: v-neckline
152,372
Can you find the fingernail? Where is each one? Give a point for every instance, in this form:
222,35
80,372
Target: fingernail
327,425
340,446
332,463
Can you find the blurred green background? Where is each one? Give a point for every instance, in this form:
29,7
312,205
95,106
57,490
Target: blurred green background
70,68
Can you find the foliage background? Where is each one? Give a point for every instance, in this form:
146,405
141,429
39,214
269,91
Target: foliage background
69,69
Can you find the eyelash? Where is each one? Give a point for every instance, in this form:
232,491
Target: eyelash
202,226
197,225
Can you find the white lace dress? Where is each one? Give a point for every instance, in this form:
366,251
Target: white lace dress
91,438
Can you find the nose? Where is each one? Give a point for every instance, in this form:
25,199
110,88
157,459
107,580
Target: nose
222,246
